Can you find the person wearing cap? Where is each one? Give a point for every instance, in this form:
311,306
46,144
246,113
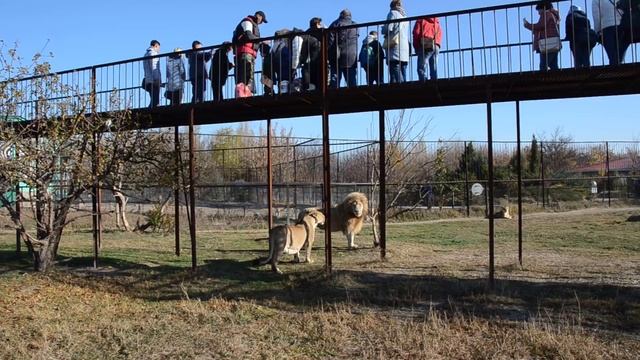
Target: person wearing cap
198,70
176,77
581,37
152,75
220,67
246,51
343,50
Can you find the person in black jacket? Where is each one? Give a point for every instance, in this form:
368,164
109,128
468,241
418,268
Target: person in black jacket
372,59
198,71
310,56
343,50
582,38
220,66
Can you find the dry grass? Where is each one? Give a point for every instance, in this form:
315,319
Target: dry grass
575,298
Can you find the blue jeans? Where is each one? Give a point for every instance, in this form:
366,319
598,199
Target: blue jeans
350,76
548,61
397,71
430,57
614,44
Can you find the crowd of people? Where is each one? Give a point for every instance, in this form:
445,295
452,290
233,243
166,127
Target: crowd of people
616,25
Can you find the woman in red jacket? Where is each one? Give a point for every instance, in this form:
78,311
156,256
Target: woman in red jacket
427,37
547,32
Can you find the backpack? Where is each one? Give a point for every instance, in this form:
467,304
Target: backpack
630,21
367,57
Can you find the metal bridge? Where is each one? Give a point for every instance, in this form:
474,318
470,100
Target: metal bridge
486,56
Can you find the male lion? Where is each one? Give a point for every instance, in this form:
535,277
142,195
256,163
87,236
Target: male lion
348,217
289,239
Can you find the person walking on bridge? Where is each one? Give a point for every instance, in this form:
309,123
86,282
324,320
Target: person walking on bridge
246,51
606,23
581,37
396,43
343,50
152,76
175,77
220,67
546,35
427,37
310,56
198,71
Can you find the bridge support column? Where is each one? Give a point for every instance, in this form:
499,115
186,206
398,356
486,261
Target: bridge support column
519,165
326,193
176,191
96,193
490,194
269,177
382,203
192,192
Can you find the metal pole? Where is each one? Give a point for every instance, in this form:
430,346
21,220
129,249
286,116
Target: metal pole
94,169
467,200
176,193
18,212
326,157
519,165
295,178
269,177
382,207
544,197
608,174
192,191
490,194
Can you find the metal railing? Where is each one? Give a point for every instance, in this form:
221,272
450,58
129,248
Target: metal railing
478,42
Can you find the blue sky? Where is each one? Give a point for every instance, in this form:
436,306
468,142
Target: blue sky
81,33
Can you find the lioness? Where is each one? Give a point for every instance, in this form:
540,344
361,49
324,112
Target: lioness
289,239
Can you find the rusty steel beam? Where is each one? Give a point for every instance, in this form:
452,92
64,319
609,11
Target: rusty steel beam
490,194
382,204
192,191
176,192
94,170
519,165
326,156
269,177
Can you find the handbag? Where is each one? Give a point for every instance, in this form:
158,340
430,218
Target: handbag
427,43
550,44
391,42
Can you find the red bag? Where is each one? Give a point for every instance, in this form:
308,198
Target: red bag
243,91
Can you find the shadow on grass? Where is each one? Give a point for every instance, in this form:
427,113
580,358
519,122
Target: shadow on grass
593,306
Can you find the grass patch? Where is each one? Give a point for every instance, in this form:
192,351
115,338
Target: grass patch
575,297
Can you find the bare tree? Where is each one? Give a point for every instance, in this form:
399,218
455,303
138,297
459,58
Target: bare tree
407,164
59,152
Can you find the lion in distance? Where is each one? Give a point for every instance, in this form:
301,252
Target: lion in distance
348,217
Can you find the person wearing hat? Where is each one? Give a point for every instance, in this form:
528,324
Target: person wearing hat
198,70
581,37
176,77
246,51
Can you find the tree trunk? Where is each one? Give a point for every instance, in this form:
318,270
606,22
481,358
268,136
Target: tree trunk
121,210
44,255
374,226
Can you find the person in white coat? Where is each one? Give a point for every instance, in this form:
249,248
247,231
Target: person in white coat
397,43
606,23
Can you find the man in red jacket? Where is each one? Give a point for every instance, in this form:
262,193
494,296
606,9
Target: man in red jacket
246,52
427,37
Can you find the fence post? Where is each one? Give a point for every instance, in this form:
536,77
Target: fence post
608,174
467,199
542,183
